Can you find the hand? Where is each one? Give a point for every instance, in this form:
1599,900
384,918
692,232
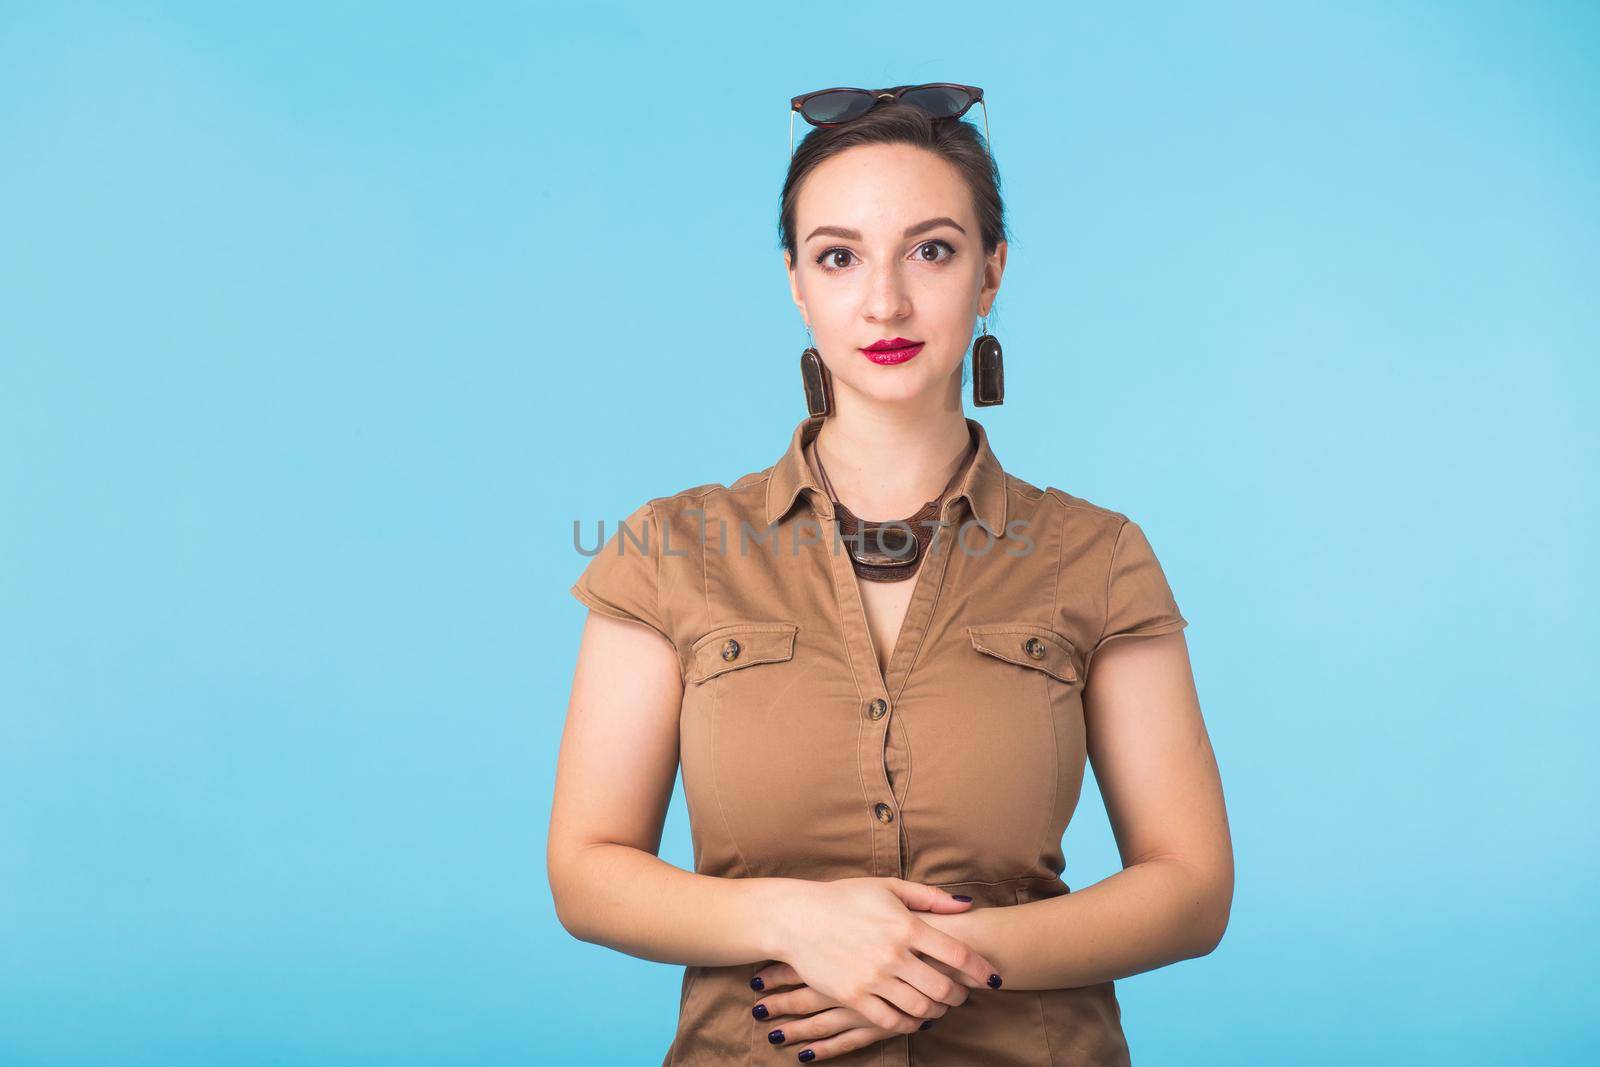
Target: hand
802,1015
866,957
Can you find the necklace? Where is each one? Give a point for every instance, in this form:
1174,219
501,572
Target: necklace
887,551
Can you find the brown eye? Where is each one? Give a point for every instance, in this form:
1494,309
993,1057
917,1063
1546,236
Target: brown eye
935,245
830,256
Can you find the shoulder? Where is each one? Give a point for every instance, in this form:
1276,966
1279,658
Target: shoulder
742,491
745,498
691,497
1079,520
1084,510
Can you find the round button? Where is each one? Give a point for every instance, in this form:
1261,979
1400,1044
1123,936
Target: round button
883,811
878,708
1034,648
730,649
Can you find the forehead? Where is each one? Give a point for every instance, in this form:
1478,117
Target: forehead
878,186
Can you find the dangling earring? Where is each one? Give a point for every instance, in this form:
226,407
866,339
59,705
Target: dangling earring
817,379
988,372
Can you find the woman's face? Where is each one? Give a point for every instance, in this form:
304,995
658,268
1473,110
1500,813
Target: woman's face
889,248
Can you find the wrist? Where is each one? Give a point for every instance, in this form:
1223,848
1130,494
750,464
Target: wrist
965,926
776,902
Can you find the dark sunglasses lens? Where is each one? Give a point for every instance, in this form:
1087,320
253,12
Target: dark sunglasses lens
940,101
841,105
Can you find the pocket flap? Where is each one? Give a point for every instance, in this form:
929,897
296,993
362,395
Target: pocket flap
741,644
1028,645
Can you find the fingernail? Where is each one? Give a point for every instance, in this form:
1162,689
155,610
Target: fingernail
994,981
963,898
925,1024
759,1011
808,1055
757,983
775,1036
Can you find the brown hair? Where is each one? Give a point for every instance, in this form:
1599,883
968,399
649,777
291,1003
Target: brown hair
954,140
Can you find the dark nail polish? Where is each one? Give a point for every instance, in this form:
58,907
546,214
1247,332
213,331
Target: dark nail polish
925,1024
775,1036
807,1056
994,981
962,897
757,984
759,1011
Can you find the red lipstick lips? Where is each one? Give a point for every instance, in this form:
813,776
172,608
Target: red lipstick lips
891,351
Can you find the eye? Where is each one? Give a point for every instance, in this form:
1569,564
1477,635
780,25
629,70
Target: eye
828,255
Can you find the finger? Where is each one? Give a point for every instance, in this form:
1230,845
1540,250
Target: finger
976,971
774,975
801,1001
959,978
920,897
879,1012
944,968
910,999
939,986
851,1040
790,1031
870,1010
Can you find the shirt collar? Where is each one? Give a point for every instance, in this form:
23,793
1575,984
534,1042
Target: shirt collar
983,485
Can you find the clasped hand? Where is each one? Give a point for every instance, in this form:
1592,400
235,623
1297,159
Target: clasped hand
872,958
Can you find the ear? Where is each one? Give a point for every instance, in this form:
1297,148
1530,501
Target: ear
994,267
794,285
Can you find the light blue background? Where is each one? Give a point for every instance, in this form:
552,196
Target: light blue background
321,323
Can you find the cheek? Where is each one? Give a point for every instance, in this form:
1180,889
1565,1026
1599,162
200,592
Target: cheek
947,346
831,305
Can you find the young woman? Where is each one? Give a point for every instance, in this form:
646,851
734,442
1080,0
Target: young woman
883,726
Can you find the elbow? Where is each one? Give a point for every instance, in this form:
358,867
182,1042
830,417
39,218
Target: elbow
566,915
1203,898
1211,931
566,893
1215,898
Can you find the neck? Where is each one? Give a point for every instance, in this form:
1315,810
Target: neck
886,462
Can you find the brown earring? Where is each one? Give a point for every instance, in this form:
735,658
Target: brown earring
818,382
988,372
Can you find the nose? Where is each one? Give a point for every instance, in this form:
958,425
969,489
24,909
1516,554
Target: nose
886,293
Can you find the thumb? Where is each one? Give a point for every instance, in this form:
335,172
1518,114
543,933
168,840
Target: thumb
919,897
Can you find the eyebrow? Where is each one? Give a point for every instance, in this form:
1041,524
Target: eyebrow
910,231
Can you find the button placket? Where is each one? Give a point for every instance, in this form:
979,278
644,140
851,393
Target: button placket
887,837
883,810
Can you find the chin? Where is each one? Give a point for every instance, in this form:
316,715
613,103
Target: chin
897,392
892,384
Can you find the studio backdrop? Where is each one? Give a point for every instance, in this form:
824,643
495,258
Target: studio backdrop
330,334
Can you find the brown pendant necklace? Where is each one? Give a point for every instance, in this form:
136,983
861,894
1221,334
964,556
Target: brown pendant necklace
887,551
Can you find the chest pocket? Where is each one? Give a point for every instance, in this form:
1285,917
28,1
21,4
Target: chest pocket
740,645
1028,645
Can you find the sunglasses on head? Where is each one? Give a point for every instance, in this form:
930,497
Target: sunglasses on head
835,107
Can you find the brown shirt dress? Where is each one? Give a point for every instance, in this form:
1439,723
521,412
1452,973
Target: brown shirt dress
960,767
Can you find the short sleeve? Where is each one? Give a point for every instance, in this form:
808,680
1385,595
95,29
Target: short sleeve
623,579
1139,603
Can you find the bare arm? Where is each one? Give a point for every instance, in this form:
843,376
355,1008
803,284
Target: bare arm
619,758
614,778
1157,772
